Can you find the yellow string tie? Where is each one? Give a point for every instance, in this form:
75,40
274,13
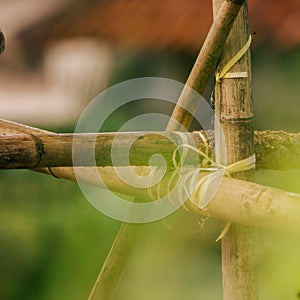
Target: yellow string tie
202,187
218,169
188,180
225,74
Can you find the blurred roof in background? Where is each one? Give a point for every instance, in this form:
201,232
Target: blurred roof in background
178,25
61,53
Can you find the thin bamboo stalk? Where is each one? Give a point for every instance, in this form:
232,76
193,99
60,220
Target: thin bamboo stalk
234,108
205,64
275,150
197,80
112,269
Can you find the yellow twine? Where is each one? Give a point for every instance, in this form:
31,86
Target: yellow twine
202,185
240,166
188,176
224,72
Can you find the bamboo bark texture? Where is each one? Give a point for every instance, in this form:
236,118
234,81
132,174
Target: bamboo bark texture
205,64
233,105
275,150
247,203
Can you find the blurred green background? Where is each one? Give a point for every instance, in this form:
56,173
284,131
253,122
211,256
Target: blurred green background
53,242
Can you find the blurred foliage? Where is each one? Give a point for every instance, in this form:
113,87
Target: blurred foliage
276,89
53,242
52,245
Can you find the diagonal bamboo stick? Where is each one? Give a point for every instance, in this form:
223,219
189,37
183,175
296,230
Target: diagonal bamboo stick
275,150
198,79
112,269
205,64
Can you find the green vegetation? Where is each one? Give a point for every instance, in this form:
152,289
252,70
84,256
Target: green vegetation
53,242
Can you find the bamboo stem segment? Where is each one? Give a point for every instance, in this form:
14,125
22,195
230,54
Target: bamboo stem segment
237,200
274,150
247,203
204,65
31,151
234,108
198,80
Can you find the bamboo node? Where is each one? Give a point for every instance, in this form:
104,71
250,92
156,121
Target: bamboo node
39,148
52,173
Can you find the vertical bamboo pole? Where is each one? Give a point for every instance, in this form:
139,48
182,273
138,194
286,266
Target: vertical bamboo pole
234,108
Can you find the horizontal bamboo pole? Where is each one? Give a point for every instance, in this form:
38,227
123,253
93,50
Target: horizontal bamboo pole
238,201
46,150
247,203
252,204
275,150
